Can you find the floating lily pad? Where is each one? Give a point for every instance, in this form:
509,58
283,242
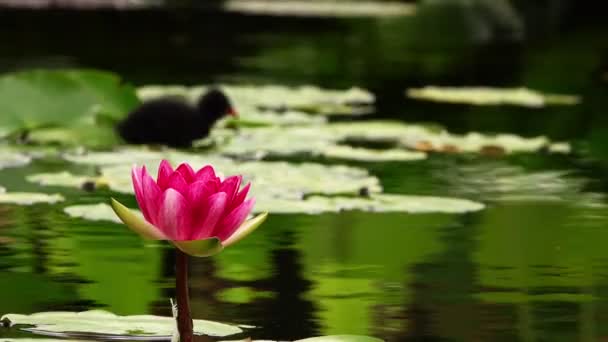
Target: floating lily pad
282,187
10,159
62,178
485,96
29,198
560,147
70,100
103,322
365,154
328,140
121,156
321,8
94,212
323,140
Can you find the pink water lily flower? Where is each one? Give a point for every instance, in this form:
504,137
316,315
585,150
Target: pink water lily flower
196,210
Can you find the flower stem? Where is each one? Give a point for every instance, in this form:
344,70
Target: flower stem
184,317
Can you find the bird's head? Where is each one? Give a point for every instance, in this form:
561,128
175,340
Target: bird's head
214,104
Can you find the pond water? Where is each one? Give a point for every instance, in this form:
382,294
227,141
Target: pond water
533,265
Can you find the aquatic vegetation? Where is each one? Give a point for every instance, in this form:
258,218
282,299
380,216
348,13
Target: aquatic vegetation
10,158
321,8
371,155
64,106
330,141
103,322
486,96
62,178
29,198
311,188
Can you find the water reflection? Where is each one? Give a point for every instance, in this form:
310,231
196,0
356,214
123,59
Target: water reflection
513,271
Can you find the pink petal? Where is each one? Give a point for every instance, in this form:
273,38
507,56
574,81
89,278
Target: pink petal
176,181
164,172
206,173
136,177
151,195
198,192
214,210
240,196
230,186
174,216
186,171
231,222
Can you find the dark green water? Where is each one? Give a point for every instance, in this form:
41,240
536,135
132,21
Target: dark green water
533,266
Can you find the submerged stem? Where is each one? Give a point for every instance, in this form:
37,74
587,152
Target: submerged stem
184,318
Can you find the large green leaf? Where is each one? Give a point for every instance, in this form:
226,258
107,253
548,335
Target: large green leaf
78,99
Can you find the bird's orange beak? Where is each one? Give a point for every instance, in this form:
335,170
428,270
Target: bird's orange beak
232,112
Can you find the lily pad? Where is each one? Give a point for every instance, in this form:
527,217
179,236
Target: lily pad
29,198
329,140
94,212
321,8
62,178
370,155
103,322
69,100
10,159
120,156
282,187
485,96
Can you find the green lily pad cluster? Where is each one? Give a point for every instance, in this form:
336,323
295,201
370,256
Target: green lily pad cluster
329,141
72,107
486,96
279,187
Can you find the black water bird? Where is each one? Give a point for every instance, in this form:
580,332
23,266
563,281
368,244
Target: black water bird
173,122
